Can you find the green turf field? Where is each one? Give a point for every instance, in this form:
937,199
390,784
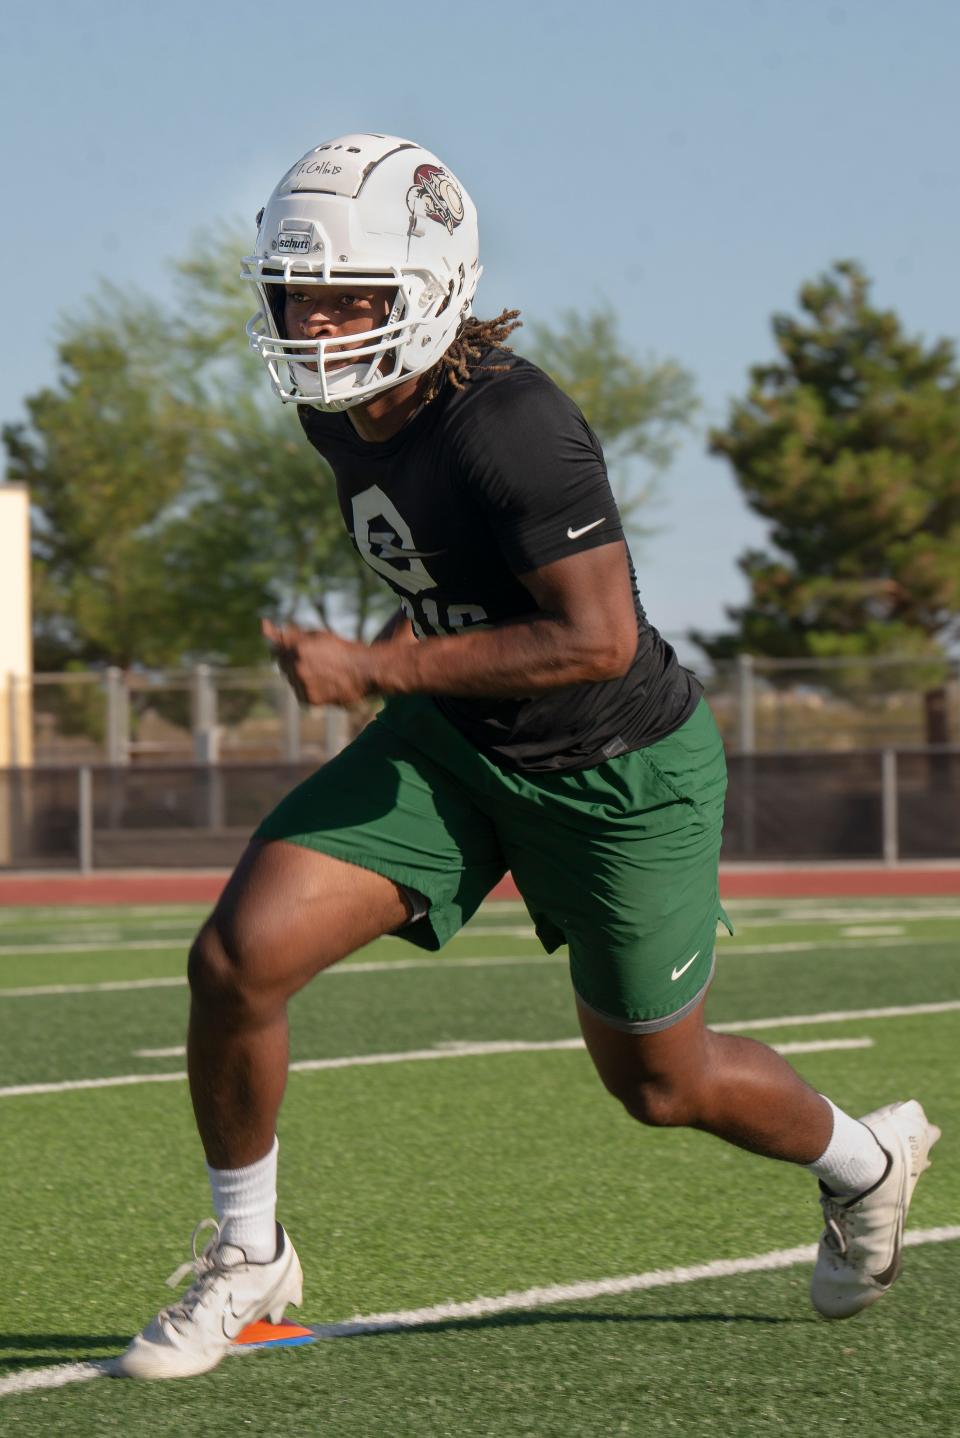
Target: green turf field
478,1157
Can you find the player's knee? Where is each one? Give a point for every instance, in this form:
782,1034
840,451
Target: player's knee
218,977
210,972
658,1103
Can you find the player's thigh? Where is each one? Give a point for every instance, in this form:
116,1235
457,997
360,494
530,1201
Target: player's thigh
627,875
674,1059
388,809
287,912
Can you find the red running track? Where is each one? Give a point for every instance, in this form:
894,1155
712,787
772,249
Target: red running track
737,881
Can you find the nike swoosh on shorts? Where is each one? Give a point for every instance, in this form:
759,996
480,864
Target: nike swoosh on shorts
677,972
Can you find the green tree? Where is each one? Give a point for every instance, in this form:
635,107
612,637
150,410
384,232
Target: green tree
173,501
105,454
263,535
849,444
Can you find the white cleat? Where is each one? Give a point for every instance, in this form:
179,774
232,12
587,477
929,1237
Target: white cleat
860,1249
227,1293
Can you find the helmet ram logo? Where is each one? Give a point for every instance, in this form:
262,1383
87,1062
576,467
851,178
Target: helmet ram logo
435,194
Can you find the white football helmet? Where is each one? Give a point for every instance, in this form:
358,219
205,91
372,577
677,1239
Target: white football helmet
373,208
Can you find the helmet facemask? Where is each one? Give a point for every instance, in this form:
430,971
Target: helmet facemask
308,371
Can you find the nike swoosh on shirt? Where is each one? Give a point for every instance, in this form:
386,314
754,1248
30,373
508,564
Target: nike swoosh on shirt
677,972
576,533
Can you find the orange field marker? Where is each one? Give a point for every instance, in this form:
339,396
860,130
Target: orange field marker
273,1335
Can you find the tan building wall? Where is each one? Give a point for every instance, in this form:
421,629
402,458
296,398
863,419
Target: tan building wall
16,650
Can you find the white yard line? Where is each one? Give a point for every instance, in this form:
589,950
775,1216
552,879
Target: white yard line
30,1380
442,1051
100,913
530,1298
521,1301
839,1016
754,915
108,986
384,966
14,951
456,1050
806,946
747,914
374,966
822,1046
70,1085
834,1016
90,939
134,945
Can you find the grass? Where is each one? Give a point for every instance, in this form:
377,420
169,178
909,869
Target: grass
416,1183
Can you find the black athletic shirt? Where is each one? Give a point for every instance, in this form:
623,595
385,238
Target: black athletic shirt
484,484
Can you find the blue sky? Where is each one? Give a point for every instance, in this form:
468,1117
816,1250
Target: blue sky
691,163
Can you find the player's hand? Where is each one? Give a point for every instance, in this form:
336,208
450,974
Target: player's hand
321,667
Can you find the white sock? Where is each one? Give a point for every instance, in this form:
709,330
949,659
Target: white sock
853,1160
246,1203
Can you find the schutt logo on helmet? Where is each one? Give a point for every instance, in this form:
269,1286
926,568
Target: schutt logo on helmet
434,194
292,242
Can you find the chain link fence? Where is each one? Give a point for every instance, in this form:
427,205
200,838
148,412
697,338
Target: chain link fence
889,805
201,715
154,817
776,705
207,715
830,761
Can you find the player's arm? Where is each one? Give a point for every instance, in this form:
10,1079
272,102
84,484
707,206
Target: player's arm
584,629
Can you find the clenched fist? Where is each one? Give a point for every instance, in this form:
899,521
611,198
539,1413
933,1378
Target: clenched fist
321,667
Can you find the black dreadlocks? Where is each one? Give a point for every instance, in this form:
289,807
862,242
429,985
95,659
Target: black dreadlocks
460,362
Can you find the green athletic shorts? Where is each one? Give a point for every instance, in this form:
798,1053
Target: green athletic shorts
619,862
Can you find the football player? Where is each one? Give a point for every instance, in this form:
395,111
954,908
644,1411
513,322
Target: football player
534,720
